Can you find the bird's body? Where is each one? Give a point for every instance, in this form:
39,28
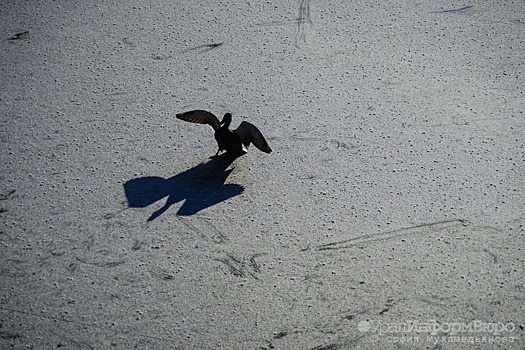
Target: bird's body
229,141
234,141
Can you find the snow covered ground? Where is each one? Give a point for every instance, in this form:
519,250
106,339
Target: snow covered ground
390,208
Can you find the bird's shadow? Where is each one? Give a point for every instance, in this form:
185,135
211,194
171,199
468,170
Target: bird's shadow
201,187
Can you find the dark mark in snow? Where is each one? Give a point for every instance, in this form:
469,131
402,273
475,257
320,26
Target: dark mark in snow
101,264
204,48
303,19
462,9
20,36
349,243
6,196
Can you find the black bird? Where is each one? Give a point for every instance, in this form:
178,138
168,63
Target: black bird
234,141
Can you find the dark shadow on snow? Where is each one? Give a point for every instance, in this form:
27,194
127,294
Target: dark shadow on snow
201,187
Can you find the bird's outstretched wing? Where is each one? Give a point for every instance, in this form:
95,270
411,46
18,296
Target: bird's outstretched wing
200,117
250,134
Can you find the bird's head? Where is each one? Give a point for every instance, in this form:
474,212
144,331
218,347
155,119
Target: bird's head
226,120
